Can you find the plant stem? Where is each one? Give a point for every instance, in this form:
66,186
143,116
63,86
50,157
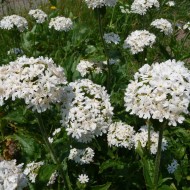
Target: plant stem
149,127
158,158
105,49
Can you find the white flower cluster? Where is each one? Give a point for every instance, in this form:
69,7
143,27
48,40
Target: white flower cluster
141,6
170,3
120,135
172,167
142,137
164,25
83,178
100,3
82,156
111,38
36,80
89,112
52,178
32,169
186,26
14,21
61,23
160,91
12,176
39,15
85,67
138,40
125,9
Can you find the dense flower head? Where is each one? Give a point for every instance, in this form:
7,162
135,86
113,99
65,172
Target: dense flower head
83,178
61,23
100,3
36,80
85,67
14,21
111,38
164,25
39,15
120,135
81,156
142,137
89,112
160,91
142,6
31,170
12,176
138,40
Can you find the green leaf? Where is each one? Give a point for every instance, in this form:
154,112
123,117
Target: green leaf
102,187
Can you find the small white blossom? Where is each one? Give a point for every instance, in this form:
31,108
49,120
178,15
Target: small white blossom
111,38
81,156
164,25
125,9
142,6
100,3
83,178
170,3
31,170
172,167
138,40
89,112
120,135
142,137
160,91
186,26
14,21
52,178
61,23
39,15
12,176
15,51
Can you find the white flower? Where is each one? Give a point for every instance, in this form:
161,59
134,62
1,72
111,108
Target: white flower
85,67
170,3
125,9
15,51
111,61
14,21
52,178
120,135
81,156
61,23
142,6
89,112
142,137
186,26
12,176
100,3
36,80
83,178
160,91
138,40
111,38
39,15
172,167
32,169
164,25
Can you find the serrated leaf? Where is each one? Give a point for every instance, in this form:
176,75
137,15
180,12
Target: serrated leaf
102,187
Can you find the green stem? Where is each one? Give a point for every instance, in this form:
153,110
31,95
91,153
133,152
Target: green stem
149,127
105,49
158,158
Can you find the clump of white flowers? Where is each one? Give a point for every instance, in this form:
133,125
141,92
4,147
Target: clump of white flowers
142,137
53,178
100,3
160,91
142,6
83,178
138,40
170,3
81,156
39,15
186,26
61,23
12,176
85,67
89,113
120,135
172,167
14,21
31,170
111,38
36,80
164,25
